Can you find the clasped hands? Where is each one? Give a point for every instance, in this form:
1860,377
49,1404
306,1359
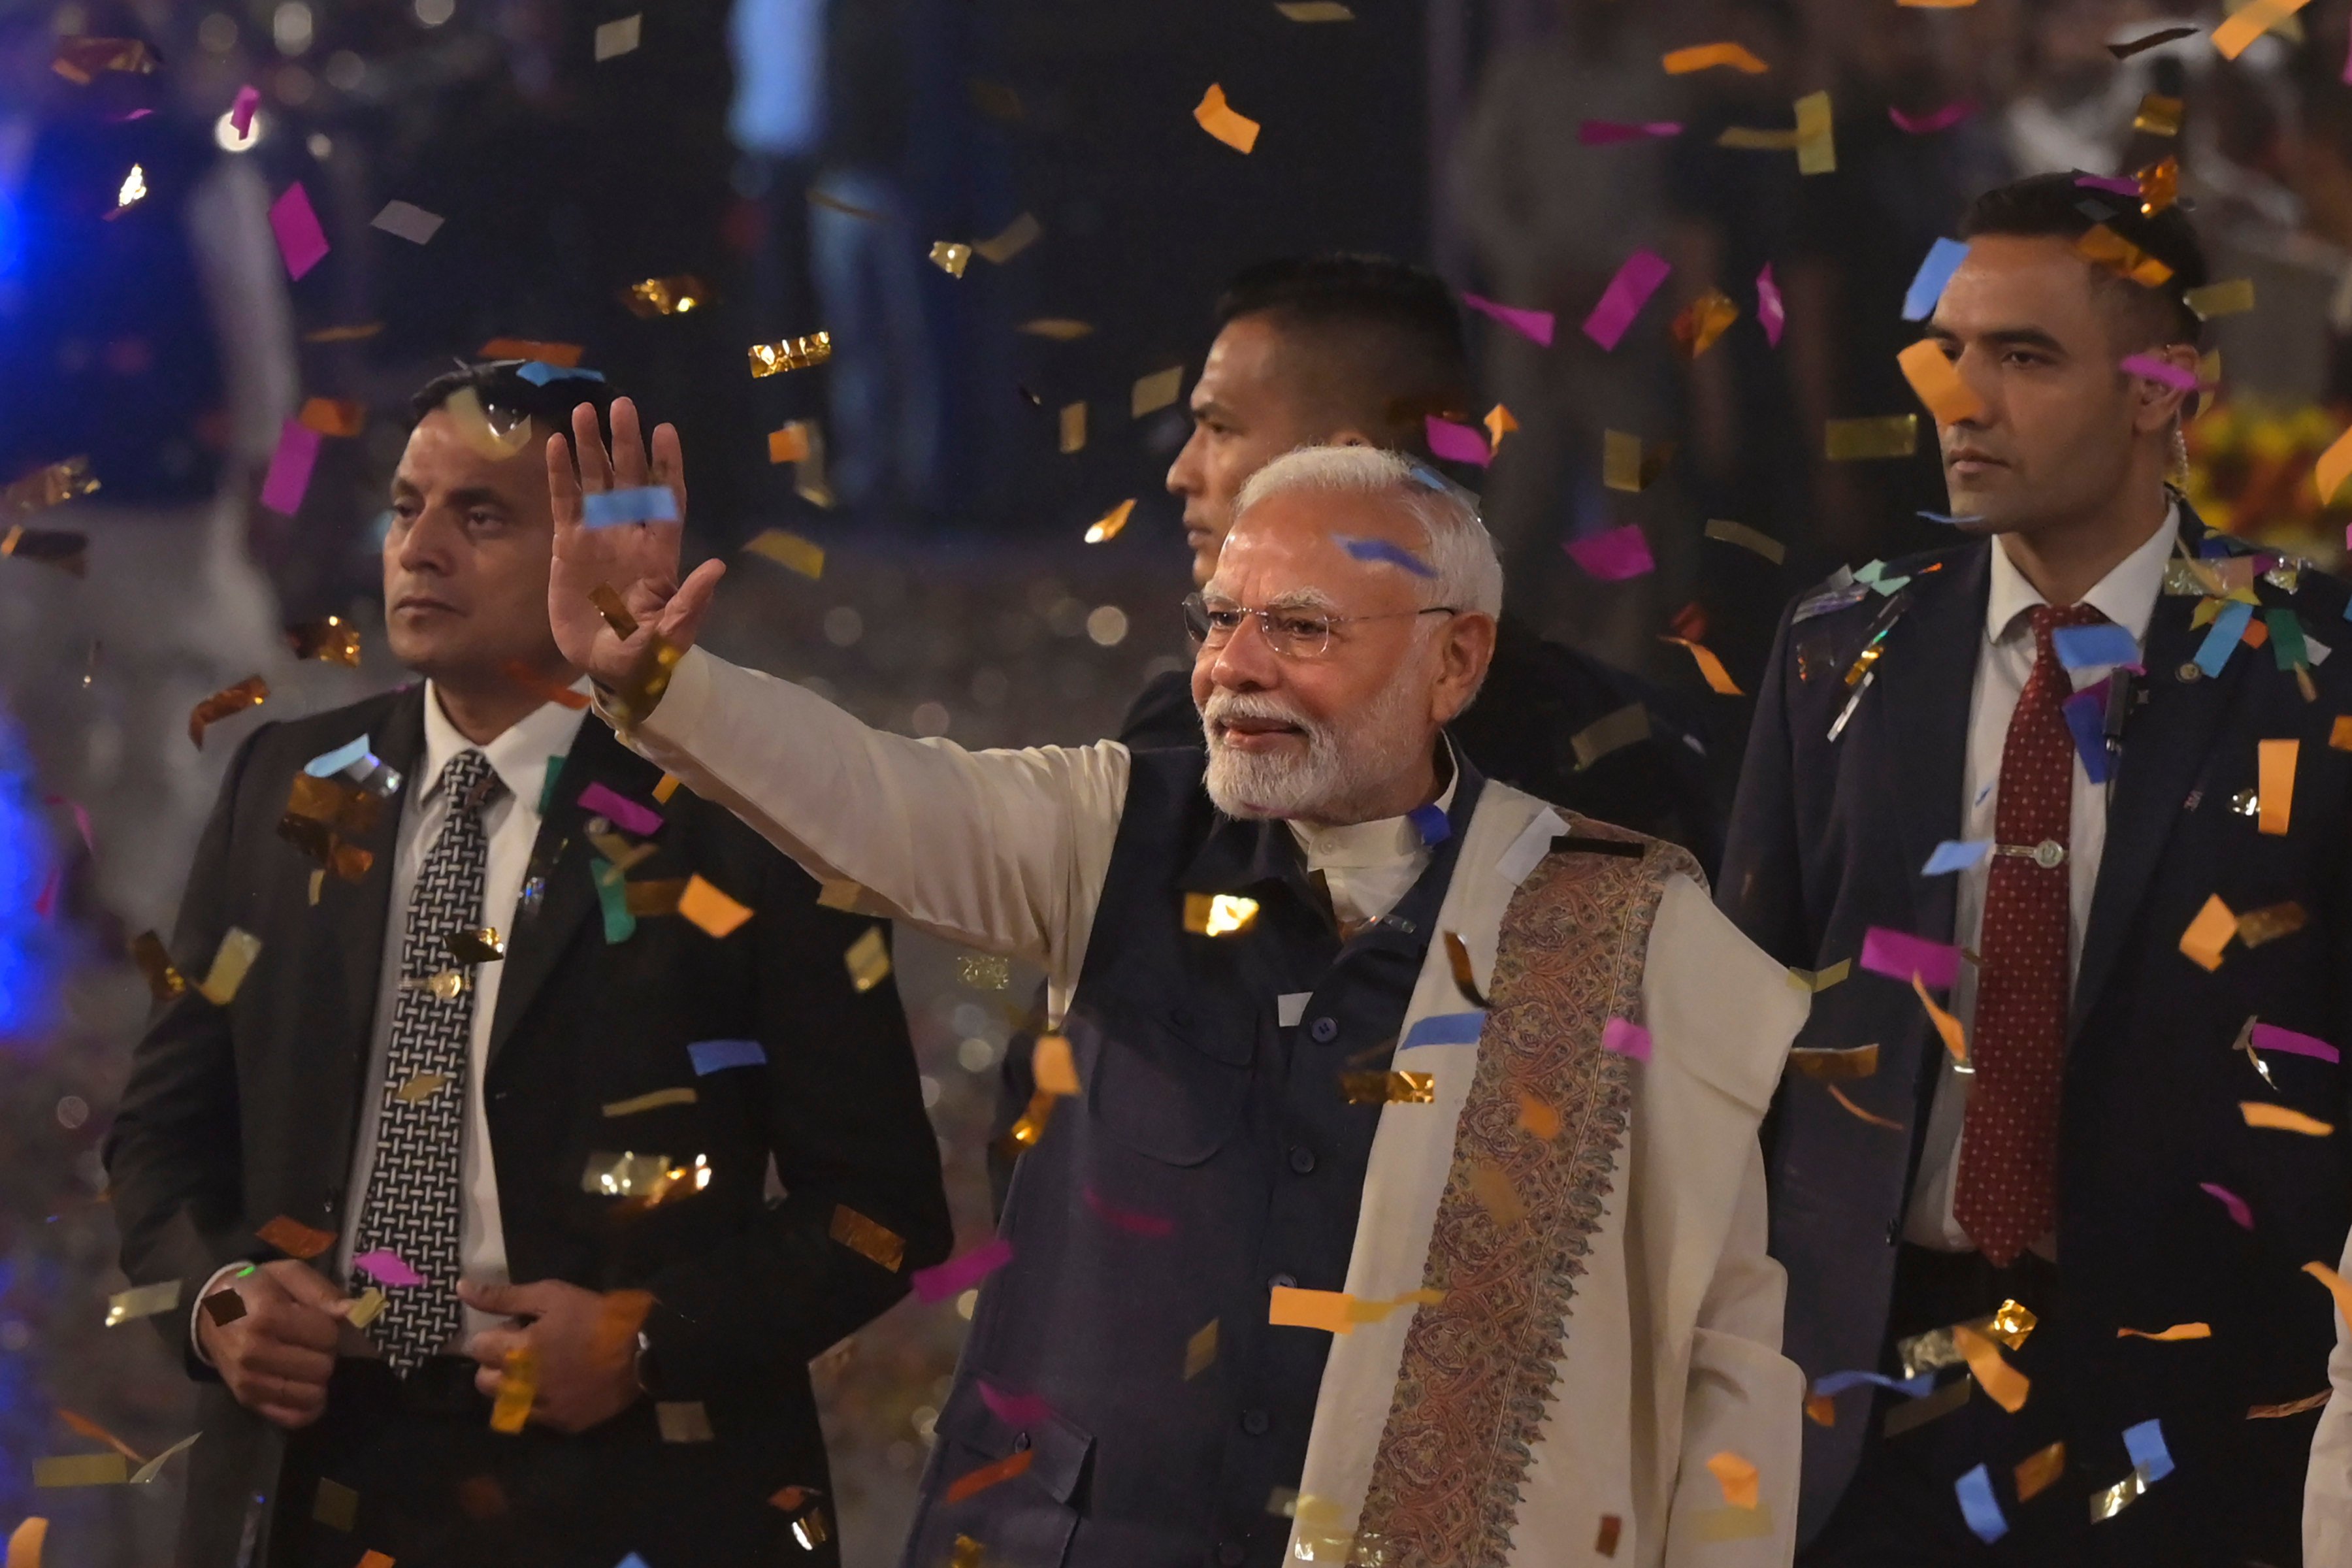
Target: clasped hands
278,1355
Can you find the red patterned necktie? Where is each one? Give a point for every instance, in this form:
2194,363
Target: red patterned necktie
2008,1190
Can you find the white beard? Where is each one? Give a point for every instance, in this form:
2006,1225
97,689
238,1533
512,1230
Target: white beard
1346,762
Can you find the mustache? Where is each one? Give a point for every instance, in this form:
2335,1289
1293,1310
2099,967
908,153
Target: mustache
1227,705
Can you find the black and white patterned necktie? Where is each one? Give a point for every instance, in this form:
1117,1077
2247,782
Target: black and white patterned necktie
413,1197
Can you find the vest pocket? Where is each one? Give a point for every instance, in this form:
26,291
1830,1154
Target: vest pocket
1157,1091
1027,1519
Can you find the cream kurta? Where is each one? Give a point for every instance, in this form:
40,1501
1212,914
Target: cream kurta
1672,1355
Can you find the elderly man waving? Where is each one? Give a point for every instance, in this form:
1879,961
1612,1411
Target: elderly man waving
1405,1207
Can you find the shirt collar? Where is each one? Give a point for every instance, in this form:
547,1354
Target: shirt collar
1384,842
517,753
2127,595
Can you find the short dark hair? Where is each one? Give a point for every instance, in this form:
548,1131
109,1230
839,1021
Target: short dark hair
500,384
2055,206
1396,321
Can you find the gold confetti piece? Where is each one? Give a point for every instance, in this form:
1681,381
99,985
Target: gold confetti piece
448,984
2282,1119
2236,34
1746,538
1840,1096
1827,1062
370,328
165,981
1500,423
1218,118
838,893
1700,322
1757,138
2037,1471
141,1301
2177,1332
1537,1118
80,59
2229,298
951,257
2007,1386
1623,728
330,803
2159,185
1074,427
1155,392
333,415
1819,980
984,972
1710,666
1620,461
645,683
1051,1064
790,550
1388,1088
1110,523
627,1174
1200,1351
868,1238
294,1239
1956,1039
2011,1325
494,432
1728,1523
318,883
1605,1542
792,353
1861,440
1738,1476
1937,382
2337,1287
1465,977
651,1102
67,550
1315,10
1060,329
1497,1195
250,692
664,787
335,1506
1026,1132
2158,116
2113,1499
673,296
661,897
710,908
477,944
1816,143
517,1387
366,1307
333,640
1917,1412
2271,922
2292,1407
237,950
2210,934
422,1086
46,486
81,1470
1219,914
2274,778
1705,56
2105,248
869,959
684,1421
966,1553
1017,237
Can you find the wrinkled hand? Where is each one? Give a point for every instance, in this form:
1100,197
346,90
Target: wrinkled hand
587,1375
277,1357
639,559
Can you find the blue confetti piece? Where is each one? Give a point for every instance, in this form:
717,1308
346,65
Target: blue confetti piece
1837,1383
2228,628
2086,717
648,503
1955,855
1445,1029
631,1560
717,1055
538,372
1949,521
327,764
1394,554
2146,1444
2089,647
1943,259
1979,1505
1430,822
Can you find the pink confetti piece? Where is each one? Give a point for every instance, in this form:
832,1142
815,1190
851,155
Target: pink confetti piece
1015,1409
1624,1037
2155,369
1899,955
1614,556
958,1275
300,240
1768,308
45,903
1131,1221
2271,1037
387,1268
1935,119
2119,185
2233,1202
627,813
80,816
1533,325
1606,132
240,113
1456,442
289,468
1627,292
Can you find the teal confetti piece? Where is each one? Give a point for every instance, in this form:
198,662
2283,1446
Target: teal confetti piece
2286,638
547,784
612,894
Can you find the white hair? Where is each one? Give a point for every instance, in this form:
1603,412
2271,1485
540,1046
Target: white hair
1456,544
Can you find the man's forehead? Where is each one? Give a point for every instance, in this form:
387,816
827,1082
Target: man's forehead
2017,281
440,454
1335,544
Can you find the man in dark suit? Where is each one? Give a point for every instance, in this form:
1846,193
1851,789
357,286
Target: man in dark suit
528,1024
2125,1125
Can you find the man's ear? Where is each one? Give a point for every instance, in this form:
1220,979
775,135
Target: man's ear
2160,404
1468,649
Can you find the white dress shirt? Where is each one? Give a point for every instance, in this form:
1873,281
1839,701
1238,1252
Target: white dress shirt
1368,866
2127,595
521,755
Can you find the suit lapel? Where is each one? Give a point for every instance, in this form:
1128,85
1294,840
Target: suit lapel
1926,678
360,917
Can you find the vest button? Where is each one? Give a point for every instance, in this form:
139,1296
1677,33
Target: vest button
1282,1282
1324,1029
1231,1554
1021,1442
1302,1158
1255,1422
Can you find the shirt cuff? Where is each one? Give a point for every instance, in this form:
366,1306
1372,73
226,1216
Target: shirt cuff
678,710
195,1339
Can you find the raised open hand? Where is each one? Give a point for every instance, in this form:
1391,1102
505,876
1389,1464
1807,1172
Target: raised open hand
637,559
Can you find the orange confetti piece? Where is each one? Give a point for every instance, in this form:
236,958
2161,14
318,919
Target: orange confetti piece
1706,57
2334,468
333,415
2177,1332
1217,118
1500,423
2340,735
250,692
2037,1470
1838,1095
25,1543
1956,1039
711,909
1537,1118
294,1239
972,1483
375,1559
2007,1386
1821,1410
2210,934
97,1434
1699,323
565,356
789,445
1107,526
518,1386
1605,1543
1937,382
530,681
1738,1476
2337,1287
2275,783
1051,1066
1292,1308
1719,678
2236,34
2283,1119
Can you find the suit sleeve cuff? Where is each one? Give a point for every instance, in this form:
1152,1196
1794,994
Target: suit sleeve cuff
196,1340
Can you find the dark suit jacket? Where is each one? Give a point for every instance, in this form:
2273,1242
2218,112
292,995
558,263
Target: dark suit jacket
1827,840
233,1116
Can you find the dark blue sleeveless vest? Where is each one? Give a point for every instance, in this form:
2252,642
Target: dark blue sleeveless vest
1210,1157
